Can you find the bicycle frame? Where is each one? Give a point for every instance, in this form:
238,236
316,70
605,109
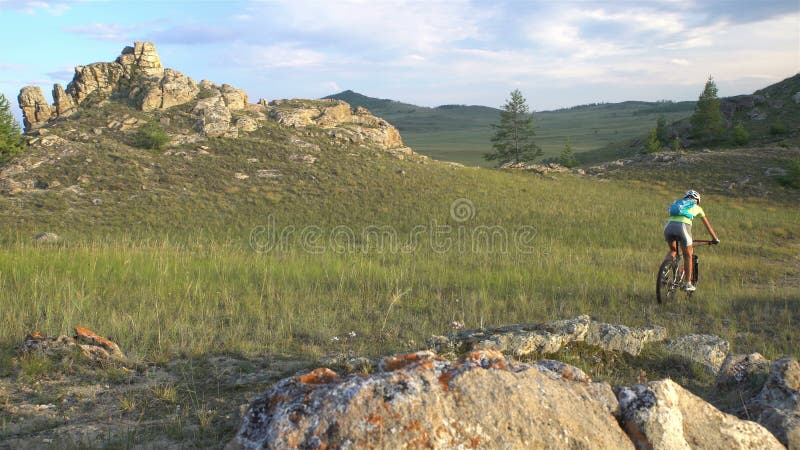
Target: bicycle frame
670,282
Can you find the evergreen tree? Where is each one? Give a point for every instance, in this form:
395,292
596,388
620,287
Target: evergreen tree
676,144
661,129
513,137
653,144
10,133
740,134
707,121
567,157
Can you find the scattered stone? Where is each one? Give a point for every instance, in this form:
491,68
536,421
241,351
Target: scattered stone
775,172
94,347
419,400
241,176
46,238
777,406
306,159
268,173
706,349
742,369
252,160
97,202
663,415
542,169
532,339
97,131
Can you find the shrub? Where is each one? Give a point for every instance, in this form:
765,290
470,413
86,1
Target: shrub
151,136
777,129
792,177
740,134
653,144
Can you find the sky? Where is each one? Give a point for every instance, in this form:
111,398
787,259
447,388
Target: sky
559,53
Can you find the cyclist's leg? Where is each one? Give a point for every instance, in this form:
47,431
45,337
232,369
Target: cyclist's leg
688,250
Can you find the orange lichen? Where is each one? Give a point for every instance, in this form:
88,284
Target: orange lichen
320,375
475,357
392,363
475,442
423,441
36,335
445,378
87,335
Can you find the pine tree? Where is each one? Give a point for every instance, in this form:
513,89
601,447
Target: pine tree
567,157
740,134
707,121
661,129
10,133
653,144
513,137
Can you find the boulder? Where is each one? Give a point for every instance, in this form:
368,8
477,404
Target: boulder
706,349
214,118
796,97
142,58
663,415
46,238
777,406
742,369
418,400
622,338
64,104
35,109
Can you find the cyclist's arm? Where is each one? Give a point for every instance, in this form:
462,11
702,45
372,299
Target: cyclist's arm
708,227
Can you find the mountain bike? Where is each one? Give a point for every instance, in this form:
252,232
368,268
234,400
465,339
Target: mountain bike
671,273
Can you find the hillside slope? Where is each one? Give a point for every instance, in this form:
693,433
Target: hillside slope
462,133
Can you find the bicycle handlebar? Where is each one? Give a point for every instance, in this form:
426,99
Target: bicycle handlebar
703,241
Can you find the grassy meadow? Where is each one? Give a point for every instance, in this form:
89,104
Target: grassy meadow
183,277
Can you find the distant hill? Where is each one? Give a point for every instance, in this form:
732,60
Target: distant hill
770,115
462,133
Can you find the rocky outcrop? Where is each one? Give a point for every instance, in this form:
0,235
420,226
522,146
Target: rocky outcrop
418,400
35,109
142,58
663,415
737,370
173,89
777,406
353,125
96,81
214,117
546,338
64,104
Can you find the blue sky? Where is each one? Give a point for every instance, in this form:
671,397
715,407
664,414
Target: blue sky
558,53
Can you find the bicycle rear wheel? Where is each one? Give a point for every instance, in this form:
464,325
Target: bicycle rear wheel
667,282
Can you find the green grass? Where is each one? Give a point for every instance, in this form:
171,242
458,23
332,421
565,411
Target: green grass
164,265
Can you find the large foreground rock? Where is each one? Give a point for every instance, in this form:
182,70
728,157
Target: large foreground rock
420,401
663,415
777,406
706,349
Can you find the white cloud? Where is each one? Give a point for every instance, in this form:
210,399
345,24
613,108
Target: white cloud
285,55
679,61
331,86
103,31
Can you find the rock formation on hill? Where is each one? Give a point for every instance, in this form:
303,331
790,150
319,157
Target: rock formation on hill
138,78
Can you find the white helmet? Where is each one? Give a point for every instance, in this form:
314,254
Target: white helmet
692,194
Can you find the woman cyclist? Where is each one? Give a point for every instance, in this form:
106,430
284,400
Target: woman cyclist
679,229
